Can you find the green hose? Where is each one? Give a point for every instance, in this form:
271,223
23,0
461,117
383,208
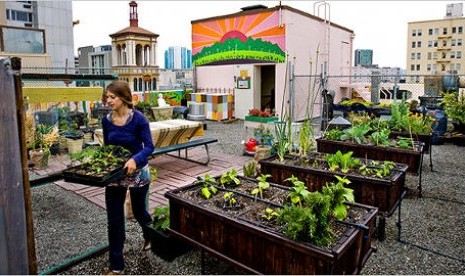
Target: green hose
75,260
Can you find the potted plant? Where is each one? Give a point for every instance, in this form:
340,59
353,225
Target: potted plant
264,137
44,138
454,107
98,166
256,115
165,246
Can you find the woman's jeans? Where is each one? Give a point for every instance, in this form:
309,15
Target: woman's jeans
114,200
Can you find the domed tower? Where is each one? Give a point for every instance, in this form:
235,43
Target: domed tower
134,54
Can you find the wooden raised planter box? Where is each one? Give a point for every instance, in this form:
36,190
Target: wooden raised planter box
262,250
412,158
385,194
427,139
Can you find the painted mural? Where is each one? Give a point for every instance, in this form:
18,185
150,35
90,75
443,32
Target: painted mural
242,39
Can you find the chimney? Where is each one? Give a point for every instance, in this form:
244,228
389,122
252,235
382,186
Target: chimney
133,21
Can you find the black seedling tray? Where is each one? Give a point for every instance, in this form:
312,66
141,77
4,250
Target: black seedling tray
72,175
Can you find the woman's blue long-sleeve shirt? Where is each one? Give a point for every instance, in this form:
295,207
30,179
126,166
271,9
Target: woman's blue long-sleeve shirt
134,136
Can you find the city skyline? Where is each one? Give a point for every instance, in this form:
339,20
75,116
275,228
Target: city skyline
382,26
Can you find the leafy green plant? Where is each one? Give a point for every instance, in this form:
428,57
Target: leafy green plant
399,115
385,169
230,199
454,106
263,135
229,178
339,194
356,133
305,137
269,214
98,159
161,218
283,136
262,185
298,191
249,169
333,134
208,188
404,142
381,137
299,223
344,161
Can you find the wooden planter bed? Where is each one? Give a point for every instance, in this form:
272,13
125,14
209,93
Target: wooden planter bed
385,194
427,139
412,158
259,249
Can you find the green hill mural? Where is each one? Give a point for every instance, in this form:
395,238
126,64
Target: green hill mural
233,50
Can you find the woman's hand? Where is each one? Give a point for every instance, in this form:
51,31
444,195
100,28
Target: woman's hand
130,166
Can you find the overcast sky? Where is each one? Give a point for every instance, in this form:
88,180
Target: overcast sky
378,25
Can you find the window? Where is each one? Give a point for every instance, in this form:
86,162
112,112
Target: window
418,67
436,31
428,67
435,43
430,31
454,30
419,32
444,55
459,42
414,32
412,56
418,44
453,42
443,67
435,55
444,31
435,68
413,44
458,67
444,43
452,67
452,54
459,54
418,55
460,29
17,40
430,44
412,67
429,55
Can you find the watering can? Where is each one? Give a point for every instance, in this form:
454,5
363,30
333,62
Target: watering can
251,144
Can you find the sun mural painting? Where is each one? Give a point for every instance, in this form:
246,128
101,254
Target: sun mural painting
253,38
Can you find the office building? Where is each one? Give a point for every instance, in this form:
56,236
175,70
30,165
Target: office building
363,58
177,57
40,32
436,46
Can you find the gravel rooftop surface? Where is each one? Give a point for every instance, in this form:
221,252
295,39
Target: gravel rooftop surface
432,236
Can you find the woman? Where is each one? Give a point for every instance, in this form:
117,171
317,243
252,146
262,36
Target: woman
129,128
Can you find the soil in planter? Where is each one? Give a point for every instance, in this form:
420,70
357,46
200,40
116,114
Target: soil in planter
195,195
255,213
316,161
219,204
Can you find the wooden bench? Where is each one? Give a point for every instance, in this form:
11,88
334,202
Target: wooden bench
190,144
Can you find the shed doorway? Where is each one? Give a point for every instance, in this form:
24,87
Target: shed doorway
267,87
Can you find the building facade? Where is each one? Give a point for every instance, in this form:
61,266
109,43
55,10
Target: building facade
177,57
254,51
31,32
134,54
437,46
363,57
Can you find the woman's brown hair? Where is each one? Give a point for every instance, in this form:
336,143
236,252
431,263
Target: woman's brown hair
122,90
